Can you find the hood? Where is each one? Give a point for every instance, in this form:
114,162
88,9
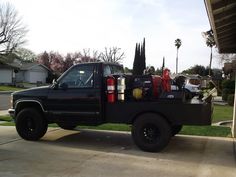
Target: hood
33,91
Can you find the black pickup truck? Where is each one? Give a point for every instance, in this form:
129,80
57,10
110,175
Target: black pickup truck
78,97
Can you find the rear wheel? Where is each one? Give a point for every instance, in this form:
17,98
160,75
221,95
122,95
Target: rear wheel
30,124
175,129
151,132
66,126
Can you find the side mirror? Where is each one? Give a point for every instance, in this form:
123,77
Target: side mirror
64,86
54,84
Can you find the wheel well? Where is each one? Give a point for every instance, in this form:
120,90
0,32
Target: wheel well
23,105
153,112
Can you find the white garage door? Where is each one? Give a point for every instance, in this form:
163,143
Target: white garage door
5,76
38,76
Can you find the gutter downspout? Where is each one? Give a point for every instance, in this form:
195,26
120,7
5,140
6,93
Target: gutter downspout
234,113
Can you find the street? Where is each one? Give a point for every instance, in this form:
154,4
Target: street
91,153
4,101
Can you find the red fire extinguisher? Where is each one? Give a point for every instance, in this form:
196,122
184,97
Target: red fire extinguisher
166,80
110,89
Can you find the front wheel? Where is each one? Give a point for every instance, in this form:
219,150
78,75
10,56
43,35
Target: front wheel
151,132
30,124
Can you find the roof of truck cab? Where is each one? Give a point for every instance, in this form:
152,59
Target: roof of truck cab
106,63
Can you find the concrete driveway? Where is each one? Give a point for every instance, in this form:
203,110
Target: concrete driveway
4,101
107,154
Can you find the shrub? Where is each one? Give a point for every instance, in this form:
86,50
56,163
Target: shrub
226,92
229,84
230,99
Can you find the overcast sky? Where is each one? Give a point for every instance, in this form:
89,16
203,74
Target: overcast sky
72,25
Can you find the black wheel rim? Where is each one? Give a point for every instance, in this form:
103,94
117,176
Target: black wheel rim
29,124
150,133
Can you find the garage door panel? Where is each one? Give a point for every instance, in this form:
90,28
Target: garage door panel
5,76
38,76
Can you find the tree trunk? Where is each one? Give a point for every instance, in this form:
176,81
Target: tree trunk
210,63
177,61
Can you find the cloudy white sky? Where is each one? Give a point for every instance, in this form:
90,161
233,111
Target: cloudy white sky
72,25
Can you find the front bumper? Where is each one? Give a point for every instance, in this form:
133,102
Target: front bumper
11,112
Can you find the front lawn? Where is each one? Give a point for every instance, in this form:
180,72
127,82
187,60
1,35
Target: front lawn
220,113
9,88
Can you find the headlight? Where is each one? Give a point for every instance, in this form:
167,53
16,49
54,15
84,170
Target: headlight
11,101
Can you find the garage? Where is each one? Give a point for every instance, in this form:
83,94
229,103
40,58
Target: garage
6,73
32,73
36,76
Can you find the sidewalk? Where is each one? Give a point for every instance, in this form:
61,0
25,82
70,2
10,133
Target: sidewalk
218,101
4,113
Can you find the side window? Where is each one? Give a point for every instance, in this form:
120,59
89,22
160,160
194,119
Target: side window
106,70
117,69
79,77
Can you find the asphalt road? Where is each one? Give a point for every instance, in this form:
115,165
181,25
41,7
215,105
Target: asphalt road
4,101
90,153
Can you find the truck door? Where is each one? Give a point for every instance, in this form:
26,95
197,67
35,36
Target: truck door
76,94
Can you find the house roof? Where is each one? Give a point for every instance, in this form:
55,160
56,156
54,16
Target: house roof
7,66
27,66
222,17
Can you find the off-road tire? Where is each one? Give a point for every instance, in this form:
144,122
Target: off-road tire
30,124
151,132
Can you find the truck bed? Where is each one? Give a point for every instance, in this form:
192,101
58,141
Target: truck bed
193,112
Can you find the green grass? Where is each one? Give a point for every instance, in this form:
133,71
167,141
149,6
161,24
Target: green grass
108,126
5,118
206,131
9,88
220,113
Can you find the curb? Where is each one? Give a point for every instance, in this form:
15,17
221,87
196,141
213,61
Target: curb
6,92
223,123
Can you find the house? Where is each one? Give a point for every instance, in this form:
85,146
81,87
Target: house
7,73
229,69
11,73
32,73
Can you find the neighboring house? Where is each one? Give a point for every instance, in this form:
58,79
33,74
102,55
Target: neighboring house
229,69
23,72
32,73
7,73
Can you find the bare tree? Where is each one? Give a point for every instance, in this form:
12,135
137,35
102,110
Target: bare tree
12,30
113,55
25,55
86,56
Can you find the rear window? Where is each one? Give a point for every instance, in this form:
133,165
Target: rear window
112,69
194,81
117,69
